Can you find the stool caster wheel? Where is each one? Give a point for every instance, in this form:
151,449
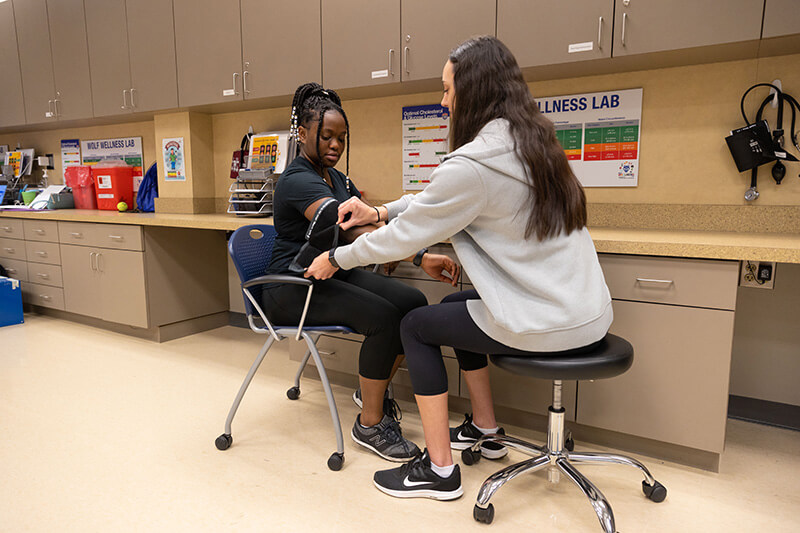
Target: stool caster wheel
335,461
483,515
223,442
469,457
569,444
293,393
656,492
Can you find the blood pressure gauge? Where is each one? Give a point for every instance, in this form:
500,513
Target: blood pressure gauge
751,194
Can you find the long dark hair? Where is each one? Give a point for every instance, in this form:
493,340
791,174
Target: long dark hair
488,85
311,102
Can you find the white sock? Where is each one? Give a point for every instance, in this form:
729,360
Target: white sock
487,431
442,471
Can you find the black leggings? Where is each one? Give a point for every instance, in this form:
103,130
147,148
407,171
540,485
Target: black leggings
366,302
425,330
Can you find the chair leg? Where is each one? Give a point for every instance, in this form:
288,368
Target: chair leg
498,479
246,383
596,498
303,364
323,376
607,458
511,442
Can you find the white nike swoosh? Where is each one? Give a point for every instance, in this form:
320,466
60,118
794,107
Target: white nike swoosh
461,436
408,483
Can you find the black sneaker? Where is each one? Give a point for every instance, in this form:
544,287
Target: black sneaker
390,406
386,439
418,480
464,435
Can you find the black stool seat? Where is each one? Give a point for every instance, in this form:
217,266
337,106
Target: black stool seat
607,358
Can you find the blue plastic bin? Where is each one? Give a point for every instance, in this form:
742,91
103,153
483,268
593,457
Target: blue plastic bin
10,302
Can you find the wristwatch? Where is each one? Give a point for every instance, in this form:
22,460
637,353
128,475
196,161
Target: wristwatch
418,258
331,259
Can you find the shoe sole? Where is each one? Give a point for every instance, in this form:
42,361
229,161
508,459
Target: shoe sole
387,457
431,494
485,452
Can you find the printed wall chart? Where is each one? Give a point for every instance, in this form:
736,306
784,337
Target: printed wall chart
425,131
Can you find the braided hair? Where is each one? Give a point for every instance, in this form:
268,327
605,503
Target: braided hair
311,102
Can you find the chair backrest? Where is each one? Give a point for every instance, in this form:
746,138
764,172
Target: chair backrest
251,251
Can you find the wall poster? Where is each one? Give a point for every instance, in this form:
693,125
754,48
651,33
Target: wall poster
425,131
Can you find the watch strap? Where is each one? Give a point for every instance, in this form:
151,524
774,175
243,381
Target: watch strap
418,258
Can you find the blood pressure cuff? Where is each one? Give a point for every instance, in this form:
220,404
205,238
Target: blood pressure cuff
321,236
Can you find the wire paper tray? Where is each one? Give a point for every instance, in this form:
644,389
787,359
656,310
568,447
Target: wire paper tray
252,187
248,198
250,210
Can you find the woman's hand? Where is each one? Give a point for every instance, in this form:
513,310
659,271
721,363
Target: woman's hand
435,265
320,268
360,213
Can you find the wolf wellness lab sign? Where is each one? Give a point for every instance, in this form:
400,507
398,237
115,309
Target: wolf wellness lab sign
600,133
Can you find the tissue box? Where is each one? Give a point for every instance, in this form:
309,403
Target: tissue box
10,302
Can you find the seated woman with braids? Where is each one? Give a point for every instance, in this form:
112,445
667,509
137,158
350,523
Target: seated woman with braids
368,303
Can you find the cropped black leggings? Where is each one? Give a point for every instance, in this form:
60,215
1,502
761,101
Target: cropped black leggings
366,302
425,330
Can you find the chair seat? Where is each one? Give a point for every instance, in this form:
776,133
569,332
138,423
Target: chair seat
610,357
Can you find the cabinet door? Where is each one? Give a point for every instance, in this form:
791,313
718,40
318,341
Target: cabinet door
108,56
36,61
431,29
360,42
124,298
677,389
151,38
70,58
208,46
781,17
12,106
81,280
271,70
545,32
643,26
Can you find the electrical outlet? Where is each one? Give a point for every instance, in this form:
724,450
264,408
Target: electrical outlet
759,274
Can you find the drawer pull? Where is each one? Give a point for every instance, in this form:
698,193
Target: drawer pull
116,237
43,276
77,234
11,270
327,354
40,231
659,281
7,229
45,297
10,250
41,254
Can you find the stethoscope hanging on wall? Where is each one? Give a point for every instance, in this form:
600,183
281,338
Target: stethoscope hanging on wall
753,145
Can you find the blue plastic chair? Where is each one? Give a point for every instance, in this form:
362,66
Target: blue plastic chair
251,249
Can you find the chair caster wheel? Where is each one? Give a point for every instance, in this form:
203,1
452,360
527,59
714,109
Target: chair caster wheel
469,457
223,442
483,515
335,461
656,492
569,444
293,393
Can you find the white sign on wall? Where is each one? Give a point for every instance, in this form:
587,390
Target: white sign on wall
425,130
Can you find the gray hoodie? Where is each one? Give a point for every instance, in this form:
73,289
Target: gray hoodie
535,295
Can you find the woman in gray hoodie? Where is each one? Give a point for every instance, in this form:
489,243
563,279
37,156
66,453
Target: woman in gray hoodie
509,202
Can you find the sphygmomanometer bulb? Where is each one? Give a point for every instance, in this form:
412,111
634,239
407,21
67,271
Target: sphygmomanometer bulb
778,171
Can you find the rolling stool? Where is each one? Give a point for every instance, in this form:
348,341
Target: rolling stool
607,358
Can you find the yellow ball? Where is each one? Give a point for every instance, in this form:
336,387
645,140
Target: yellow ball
122,206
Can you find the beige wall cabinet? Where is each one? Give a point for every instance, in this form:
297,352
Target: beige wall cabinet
12,105
678,315
642,26
781,17
276,57
132,55
544,32
54,59
430,30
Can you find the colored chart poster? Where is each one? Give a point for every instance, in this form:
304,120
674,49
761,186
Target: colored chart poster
600,133
425,130
174,168
269,151
127,149
70,155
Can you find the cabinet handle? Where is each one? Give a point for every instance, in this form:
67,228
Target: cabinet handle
41,254
624,24
649,280
10,250
124,99
7,229
45,297
92,261
77,234
133,103
43,276
40,231
391,61
244,77
235,90
115,237
327,354
11,270
405,59
50,113
600,33
99,265
56,102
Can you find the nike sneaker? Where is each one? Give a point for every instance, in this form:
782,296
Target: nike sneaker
466,434
417,479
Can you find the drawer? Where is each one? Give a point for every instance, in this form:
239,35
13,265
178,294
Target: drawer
81,233
11,228
42,295
12,249
691,282
41,230
16,269
45,274
338,353
43,252
119,237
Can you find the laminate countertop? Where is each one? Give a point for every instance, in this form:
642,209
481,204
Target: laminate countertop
779,247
